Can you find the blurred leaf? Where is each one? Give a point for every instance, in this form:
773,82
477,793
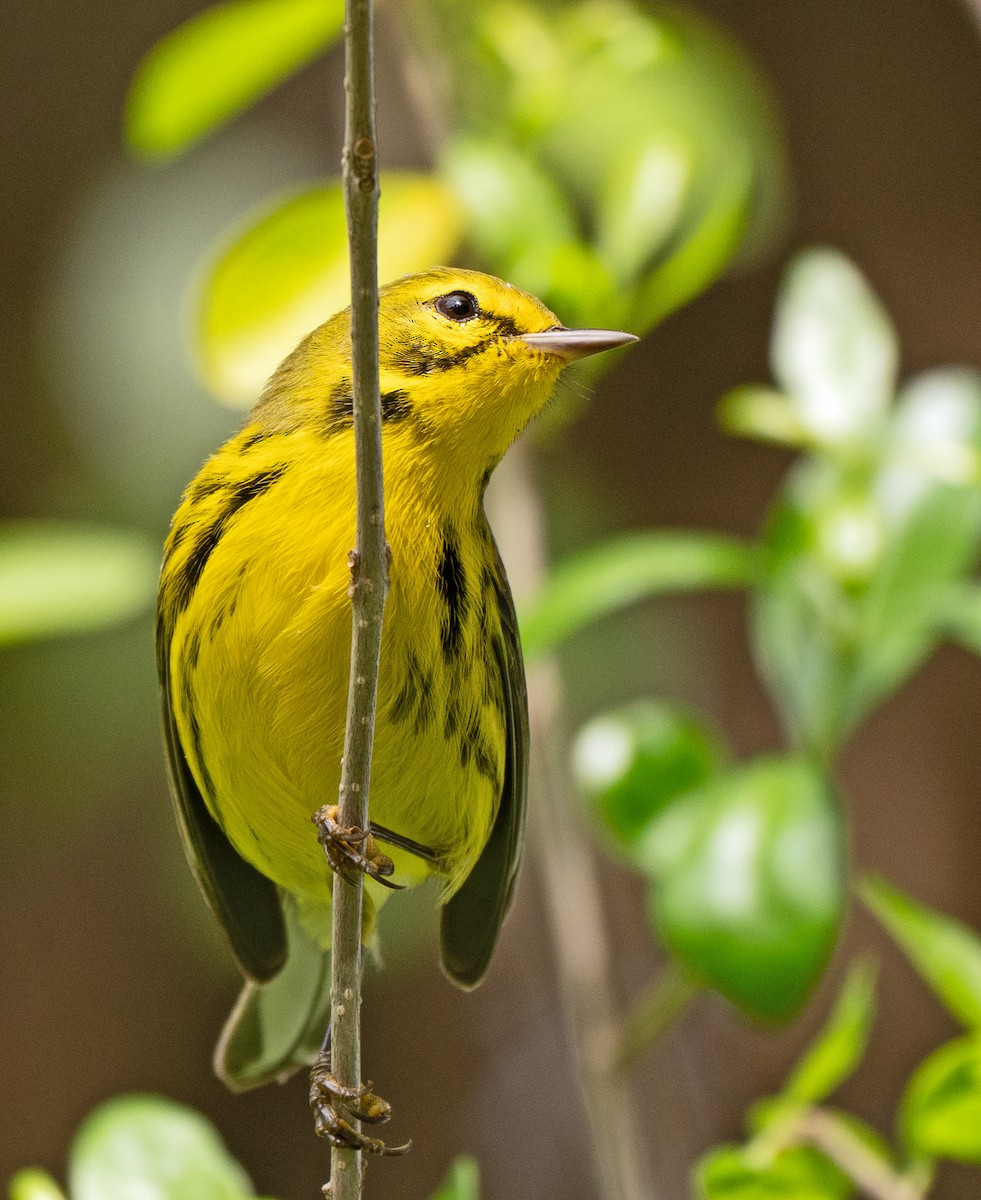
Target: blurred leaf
750,882
839,1047
287,272
641,203
903,612
800,1173
34,1184
608,577
834,350
633,762
962,616
800,616
517,220
761,412
60,578
701,257
155,1149
946,953
649,120
462,1181
940,1113
219,62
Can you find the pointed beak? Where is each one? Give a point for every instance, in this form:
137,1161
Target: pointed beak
576,343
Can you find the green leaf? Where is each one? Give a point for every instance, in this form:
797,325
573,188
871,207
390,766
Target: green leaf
61,578
839,1047
608,577
34,1184
517,219
642,203
800,1173
834,350
761,412
633,762
940,1113
701,257
946,953
288,271
750,882
961,619
152,1148
462,1181
218,63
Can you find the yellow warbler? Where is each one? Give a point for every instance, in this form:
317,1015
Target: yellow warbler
253,638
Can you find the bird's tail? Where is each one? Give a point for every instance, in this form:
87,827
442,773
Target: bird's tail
277,1028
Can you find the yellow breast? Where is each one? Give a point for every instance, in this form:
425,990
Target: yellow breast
260,656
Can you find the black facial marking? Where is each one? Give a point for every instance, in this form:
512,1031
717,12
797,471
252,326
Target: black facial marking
452,584
340,408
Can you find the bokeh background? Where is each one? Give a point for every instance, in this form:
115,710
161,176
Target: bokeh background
111,977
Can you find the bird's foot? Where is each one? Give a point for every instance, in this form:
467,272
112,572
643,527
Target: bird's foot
350,849
330,1102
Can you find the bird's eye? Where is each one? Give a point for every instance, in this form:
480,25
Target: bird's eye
458,306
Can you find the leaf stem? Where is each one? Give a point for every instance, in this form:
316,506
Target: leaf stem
653,1013
369,568
827,1132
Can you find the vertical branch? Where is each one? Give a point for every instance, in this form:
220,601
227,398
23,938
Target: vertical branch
567,871
369,571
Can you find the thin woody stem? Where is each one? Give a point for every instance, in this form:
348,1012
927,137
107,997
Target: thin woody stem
567,870
827,1132
369,569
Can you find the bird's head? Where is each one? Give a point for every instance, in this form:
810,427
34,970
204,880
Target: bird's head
465,362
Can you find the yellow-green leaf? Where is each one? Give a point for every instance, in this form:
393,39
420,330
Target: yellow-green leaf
58,578
218,63
288,272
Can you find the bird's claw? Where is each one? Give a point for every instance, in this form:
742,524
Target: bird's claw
350,849
330,1100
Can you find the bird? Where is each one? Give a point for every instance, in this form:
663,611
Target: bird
253,632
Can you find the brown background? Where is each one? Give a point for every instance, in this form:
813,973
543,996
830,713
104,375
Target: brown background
111,978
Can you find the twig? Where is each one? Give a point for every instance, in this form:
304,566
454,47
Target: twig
369,569
653,1013
568,871
825,1131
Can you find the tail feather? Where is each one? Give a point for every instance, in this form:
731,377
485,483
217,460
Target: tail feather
277,1028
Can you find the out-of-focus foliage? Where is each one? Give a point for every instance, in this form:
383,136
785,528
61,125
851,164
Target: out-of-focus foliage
148,1148
839,1048
613,157
61,578
946,953
633,762
610,157
462,1181
866,561
749,882
221,61
604,578
143,1146
279,279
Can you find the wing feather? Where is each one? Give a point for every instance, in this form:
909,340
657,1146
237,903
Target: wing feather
245,903
472,917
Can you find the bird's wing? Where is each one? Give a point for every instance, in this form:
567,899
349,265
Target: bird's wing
472,917
245,903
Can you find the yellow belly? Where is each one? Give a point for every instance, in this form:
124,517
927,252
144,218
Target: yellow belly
260,660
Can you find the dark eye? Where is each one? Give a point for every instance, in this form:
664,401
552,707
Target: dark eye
458,306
